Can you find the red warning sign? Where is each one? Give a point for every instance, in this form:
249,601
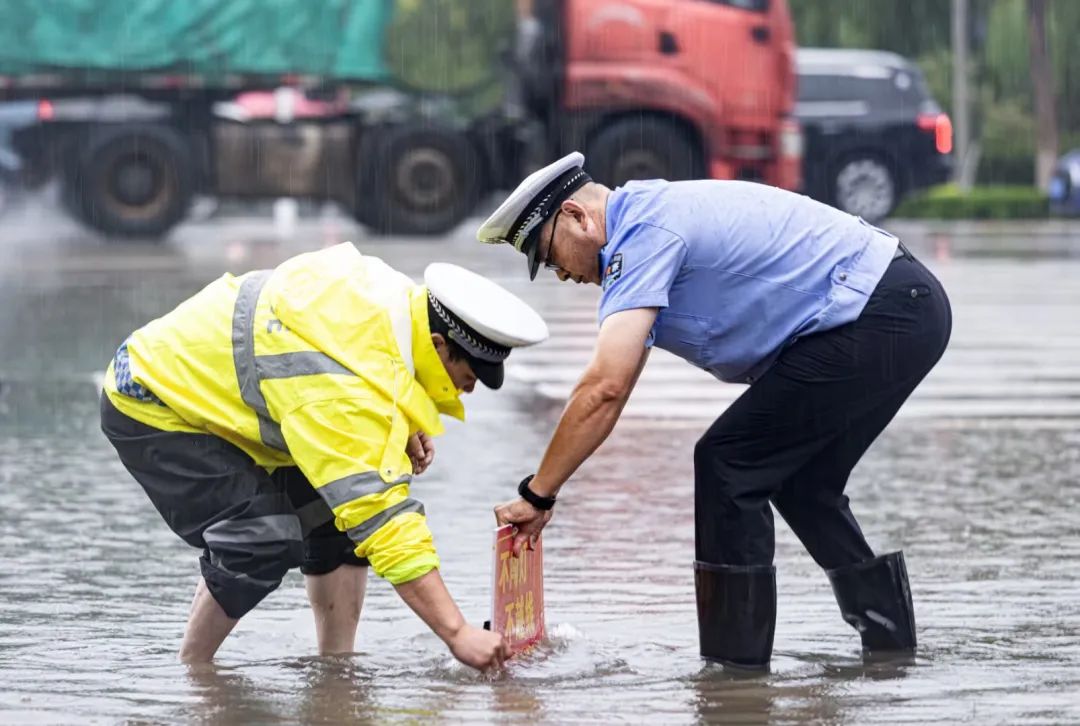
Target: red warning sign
517,603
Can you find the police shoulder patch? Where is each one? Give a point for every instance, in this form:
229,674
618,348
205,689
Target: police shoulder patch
613,270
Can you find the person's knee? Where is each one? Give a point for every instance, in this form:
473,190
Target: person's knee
323,555
713,454
239,579
812,500
723,479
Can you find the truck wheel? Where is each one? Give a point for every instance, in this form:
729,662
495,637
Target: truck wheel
132,181
416,180
642,148
864,185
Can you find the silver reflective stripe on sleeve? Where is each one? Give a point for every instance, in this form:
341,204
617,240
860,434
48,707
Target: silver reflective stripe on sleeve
270,528
252,369
349,488
365,529
243,340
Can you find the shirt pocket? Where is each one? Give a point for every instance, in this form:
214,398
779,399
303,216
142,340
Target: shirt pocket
684,335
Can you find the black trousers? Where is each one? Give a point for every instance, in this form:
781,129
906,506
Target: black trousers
794,436
251,526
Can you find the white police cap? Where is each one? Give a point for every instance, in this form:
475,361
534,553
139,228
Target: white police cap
482,317
517,221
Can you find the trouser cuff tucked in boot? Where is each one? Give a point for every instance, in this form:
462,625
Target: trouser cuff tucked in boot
736,607
875,598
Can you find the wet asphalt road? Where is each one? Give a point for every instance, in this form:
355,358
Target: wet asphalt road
976,481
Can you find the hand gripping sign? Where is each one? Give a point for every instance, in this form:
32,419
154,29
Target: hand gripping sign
517,599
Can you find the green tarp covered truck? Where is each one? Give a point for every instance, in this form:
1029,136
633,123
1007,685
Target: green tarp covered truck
394,108
411,109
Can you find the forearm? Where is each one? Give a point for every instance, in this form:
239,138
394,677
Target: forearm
598,399
587,421
428,597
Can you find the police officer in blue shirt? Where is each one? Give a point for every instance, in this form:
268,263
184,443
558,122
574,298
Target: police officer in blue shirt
830,321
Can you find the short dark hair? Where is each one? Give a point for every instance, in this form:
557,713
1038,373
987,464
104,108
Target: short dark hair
438,325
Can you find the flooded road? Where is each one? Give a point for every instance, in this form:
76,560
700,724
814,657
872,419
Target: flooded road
976,482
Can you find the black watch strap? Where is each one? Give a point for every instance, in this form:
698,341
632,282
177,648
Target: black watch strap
541,503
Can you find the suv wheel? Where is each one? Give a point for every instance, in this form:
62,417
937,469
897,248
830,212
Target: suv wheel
864,186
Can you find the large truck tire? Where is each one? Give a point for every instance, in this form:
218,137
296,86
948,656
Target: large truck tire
642,148
414,179
131,180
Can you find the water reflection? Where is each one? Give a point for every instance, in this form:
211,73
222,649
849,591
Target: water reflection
94,590
724,695
228,696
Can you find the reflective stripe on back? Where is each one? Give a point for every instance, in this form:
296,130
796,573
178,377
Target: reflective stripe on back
252,369
303,363
243,340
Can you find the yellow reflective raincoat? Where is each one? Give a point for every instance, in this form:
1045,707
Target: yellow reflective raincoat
325,363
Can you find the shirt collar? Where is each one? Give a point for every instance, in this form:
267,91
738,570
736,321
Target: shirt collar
430,372
612,211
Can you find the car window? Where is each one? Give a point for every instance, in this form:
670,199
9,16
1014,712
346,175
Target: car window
813,87
888,89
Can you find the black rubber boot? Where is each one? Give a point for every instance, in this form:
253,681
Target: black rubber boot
875,599
736,608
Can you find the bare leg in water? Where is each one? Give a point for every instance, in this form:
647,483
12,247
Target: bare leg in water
207,627
336,599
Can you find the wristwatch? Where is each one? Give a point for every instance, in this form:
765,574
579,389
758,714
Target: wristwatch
541,503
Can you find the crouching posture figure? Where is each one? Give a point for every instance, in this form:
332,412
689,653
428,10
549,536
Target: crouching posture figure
831,322
276,419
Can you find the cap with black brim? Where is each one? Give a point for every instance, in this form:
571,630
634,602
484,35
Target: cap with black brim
485,320
519,218
491,375
546,202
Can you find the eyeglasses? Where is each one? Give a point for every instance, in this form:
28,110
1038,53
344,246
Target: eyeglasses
548,264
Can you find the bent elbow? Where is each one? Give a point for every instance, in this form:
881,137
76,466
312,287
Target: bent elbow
609,391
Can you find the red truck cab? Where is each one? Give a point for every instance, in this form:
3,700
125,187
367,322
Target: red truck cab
674,88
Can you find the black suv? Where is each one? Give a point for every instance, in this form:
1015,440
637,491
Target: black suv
872,130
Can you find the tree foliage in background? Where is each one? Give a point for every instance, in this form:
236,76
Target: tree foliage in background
452,47
1003,101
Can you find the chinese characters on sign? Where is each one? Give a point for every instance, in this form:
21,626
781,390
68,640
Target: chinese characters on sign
517,592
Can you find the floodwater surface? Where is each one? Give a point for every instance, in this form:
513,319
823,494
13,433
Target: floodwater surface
94,589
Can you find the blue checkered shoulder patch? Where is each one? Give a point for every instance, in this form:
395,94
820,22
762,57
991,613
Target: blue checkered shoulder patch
124,382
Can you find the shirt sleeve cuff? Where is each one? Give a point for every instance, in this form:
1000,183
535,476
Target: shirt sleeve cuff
644,300
412,568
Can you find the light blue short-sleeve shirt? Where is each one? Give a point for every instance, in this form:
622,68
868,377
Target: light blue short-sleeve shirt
739,270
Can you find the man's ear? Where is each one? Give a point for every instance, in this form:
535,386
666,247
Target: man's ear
438,341
575,209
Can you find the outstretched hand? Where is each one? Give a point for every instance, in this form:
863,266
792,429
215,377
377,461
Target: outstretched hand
528,519
421,451
478,648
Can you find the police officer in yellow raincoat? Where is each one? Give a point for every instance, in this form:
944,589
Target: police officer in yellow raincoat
276,419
